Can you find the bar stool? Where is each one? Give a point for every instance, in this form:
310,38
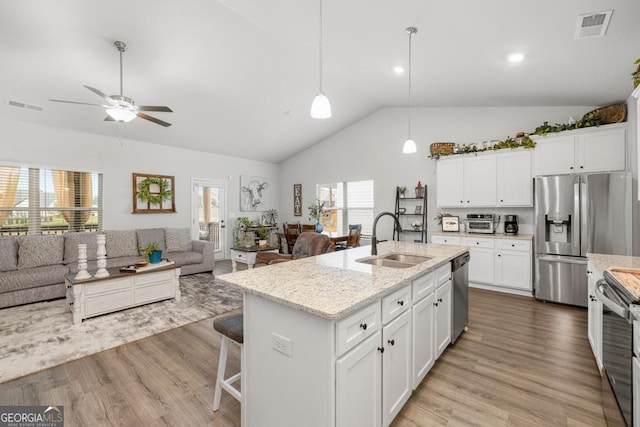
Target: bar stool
230,326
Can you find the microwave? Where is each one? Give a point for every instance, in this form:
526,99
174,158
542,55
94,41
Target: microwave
480,223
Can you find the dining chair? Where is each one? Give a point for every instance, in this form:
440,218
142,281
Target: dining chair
307,244
291,235
353,239
308,227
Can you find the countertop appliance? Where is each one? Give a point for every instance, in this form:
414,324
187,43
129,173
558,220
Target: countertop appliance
481,223
460,289
617,351
511,224
575,214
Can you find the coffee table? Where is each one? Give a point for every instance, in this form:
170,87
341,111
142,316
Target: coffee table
120,290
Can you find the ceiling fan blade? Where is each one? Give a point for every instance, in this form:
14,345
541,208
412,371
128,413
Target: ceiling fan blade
100,94
154,120
154,108
81,103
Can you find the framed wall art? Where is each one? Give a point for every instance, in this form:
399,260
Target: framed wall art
297,199
450,223
254,194
153,193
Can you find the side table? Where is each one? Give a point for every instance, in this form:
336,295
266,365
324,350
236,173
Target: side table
248,255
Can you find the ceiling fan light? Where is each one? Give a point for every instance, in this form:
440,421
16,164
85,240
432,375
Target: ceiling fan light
121,115
320,108
409,146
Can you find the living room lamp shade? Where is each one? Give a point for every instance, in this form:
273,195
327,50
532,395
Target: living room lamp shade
320,108
409,146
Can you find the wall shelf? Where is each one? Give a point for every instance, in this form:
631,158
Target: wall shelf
409,204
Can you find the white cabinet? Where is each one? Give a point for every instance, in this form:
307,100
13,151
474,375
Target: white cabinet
513,264
481,263
636,390
515,180
467,181
442,306
445,240
594,317
396,366
359,385
599,149
423,339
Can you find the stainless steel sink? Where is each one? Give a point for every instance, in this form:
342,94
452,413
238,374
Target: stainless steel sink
395,260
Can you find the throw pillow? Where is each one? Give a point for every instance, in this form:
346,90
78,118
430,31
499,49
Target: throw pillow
8,253
39,250
71,241
148,235
177,239
121,243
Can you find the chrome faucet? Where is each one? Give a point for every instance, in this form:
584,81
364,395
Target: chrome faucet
374,240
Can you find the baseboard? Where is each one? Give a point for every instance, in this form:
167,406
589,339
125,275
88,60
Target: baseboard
521,292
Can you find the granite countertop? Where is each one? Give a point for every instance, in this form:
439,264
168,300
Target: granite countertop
334,285
606,262
484,236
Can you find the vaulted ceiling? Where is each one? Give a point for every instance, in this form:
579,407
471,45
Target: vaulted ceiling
240,75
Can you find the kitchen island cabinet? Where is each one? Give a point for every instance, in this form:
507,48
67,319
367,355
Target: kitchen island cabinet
323,334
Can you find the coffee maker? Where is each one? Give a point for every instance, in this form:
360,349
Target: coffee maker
511,224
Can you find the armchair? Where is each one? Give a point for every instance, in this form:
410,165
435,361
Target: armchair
307,244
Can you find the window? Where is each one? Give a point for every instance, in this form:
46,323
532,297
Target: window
48,201
347,203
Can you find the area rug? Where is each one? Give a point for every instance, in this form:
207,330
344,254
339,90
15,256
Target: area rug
42,335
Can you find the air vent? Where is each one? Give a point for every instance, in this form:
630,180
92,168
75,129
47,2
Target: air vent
593,24
26,106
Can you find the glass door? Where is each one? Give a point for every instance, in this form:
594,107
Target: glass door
209,213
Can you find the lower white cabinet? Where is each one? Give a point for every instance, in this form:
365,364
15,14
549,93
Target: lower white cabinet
359,385
513,264
442,305
424,355
396,366
594,314
481,265
636,390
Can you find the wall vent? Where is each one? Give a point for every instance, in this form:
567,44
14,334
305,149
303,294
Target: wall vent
592,25
18,104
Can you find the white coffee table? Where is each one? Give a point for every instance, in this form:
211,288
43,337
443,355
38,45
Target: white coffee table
120,290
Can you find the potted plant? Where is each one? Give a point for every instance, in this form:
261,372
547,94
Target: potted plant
262,234
152,252
316,210
416,225
241,224
401,191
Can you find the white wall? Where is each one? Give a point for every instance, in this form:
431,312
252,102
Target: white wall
41,146
372,149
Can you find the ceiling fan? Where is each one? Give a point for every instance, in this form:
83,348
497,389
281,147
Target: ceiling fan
119,107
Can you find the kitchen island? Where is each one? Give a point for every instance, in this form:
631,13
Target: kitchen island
331,341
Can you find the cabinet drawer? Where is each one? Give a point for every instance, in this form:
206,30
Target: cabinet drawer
514,245
443,274
154,292
147,279
422,286
245,257
358,326
395,304
107,303
478,243
445,240
107,286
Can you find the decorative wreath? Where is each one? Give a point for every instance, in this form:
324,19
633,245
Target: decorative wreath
154,198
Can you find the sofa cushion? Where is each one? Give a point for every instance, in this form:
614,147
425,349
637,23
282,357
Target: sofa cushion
71,242
121,243
8,253
39,250
35,277
148,235
177,239
185,258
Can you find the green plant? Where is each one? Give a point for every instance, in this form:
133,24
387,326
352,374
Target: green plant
262,233
402,190
588,120
145,195
636,74
316,210
242,223
438,217
151,247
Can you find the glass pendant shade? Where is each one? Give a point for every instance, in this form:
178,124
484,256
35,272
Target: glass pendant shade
320,108
121,115
409,146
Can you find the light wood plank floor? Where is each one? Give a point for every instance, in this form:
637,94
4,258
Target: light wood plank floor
522,363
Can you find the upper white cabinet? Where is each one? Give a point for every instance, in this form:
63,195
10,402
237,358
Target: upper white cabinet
467,181
599,149
485,180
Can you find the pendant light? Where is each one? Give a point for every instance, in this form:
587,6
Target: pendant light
320,108
409,145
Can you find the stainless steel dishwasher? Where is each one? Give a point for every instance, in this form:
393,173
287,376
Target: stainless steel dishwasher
460,289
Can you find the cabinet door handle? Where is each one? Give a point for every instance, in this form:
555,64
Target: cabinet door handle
571,167
400,303
513,246
392,342
439,299
435,303
381,349
363,326
499,255
581,167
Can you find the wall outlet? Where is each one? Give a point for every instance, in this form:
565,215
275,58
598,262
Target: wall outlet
281,344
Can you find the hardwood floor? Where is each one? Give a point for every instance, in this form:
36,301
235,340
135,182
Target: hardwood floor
521,363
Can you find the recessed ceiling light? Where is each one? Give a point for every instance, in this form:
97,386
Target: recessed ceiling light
398,70
516,57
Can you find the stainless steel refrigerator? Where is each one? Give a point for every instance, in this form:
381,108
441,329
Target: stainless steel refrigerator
575,215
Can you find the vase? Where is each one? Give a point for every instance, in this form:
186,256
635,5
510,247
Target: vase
319,227
155,257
